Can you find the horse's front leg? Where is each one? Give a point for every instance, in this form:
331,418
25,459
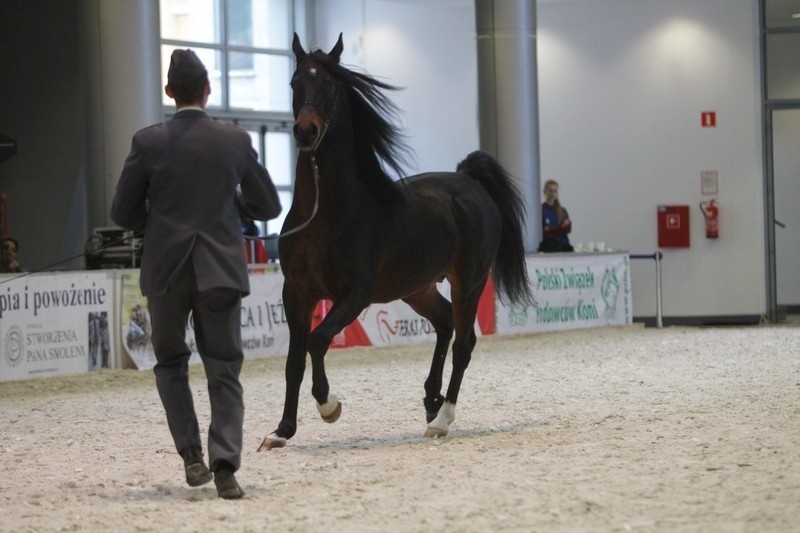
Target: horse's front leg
298,318
342,313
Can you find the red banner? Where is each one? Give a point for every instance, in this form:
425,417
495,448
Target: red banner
396,323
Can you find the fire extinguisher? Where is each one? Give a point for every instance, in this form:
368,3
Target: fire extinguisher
710,211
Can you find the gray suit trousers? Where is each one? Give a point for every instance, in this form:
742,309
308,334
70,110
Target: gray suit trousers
216,317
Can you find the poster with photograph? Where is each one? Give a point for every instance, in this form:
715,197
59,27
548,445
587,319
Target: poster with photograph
263,321
55,324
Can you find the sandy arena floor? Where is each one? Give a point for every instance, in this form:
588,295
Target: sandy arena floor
618,429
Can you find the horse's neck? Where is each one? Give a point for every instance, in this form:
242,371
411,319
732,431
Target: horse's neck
333,169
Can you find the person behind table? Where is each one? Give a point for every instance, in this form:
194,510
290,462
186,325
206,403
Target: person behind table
180,184
10,262
556,224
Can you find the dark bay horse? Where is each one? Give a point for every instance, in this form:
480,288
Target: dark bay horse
355,236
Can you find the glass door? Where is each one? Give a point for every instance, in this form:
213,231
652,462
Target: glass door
785,140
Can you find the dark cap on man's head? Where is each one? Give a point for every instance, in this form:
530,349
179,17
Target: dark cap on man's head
184,67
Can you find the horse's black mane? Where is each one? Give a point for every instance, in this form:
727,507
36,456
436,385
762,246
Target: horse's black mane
376,137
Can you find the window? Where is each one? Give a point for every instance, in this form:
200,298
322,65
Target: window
275,148
246,47
783,66
781,14
781,34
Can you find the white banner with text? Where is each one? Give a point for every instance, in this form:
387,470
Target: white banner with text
55,324
572,291
78,322
264,329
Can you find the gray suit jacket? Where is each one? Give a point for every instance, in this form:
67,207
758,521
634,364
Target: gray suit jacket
181,184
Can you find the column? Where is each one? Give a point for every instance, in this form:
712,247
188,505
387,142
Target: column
508,99
120,42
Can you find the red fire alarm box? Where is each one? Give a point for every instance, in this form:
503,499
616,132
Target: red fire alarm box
673,226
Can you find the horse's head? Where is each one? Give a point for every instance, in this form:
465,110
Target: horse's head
329,98
315,93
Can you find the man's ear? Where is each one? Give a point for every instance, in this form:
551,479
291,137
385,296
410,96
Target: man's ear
168,91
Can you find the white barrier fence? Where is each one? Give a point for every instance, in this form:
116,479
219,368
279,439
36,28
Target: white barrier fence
57,324
77,322
572,291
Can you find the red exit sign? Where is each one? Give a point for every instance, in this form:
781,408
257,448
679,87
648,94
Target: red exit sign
708,119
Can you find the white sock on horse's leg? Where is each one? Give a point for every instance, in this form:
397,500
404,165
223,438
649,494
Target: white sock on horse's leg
440,425
329,407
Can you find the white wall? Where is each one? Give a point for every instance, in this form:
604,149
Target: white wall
622,85
621,88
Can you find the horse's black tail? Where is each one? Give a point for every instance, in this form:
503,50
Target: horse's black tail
510,272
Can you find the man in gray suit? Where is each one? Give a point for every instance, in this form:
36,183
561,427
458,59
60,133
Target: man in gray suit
185,182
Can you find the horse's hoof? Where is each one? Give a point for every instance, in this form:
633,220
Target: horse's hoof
334,416
272,441
331,410
435,433
441,424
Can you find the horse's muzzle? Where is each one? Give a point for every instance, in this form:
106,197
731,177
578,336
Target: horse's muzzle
307,128
305,136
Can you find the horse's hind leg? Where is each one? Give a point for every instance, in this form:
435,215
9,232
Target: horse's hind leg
465,309
430,304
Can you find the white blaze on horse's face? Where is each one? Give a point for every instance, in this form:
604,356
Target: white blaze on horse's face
314,102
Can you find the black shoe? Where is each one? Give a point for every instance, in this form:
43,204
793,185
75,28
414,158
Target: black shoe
227,486
197,473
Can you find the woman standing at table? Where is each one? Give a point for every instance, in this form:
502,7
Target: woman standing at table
556,224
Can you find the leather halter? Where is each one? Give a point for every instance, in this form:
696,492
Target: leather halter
327,119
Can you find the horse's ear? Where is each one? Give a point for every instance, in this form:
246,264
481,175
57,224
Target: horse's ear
297,48
336,51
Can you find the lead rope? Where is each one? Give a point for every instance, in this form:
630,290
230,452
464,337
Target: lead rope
110,244
123,239
316,174
316,184
313,211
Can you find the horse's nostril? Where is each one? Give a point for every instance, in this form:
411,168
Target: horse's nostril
312,130
305,133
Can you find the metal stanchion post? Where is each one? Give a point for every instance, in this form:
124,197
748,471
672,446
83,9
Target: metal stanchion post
659,321
657,257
